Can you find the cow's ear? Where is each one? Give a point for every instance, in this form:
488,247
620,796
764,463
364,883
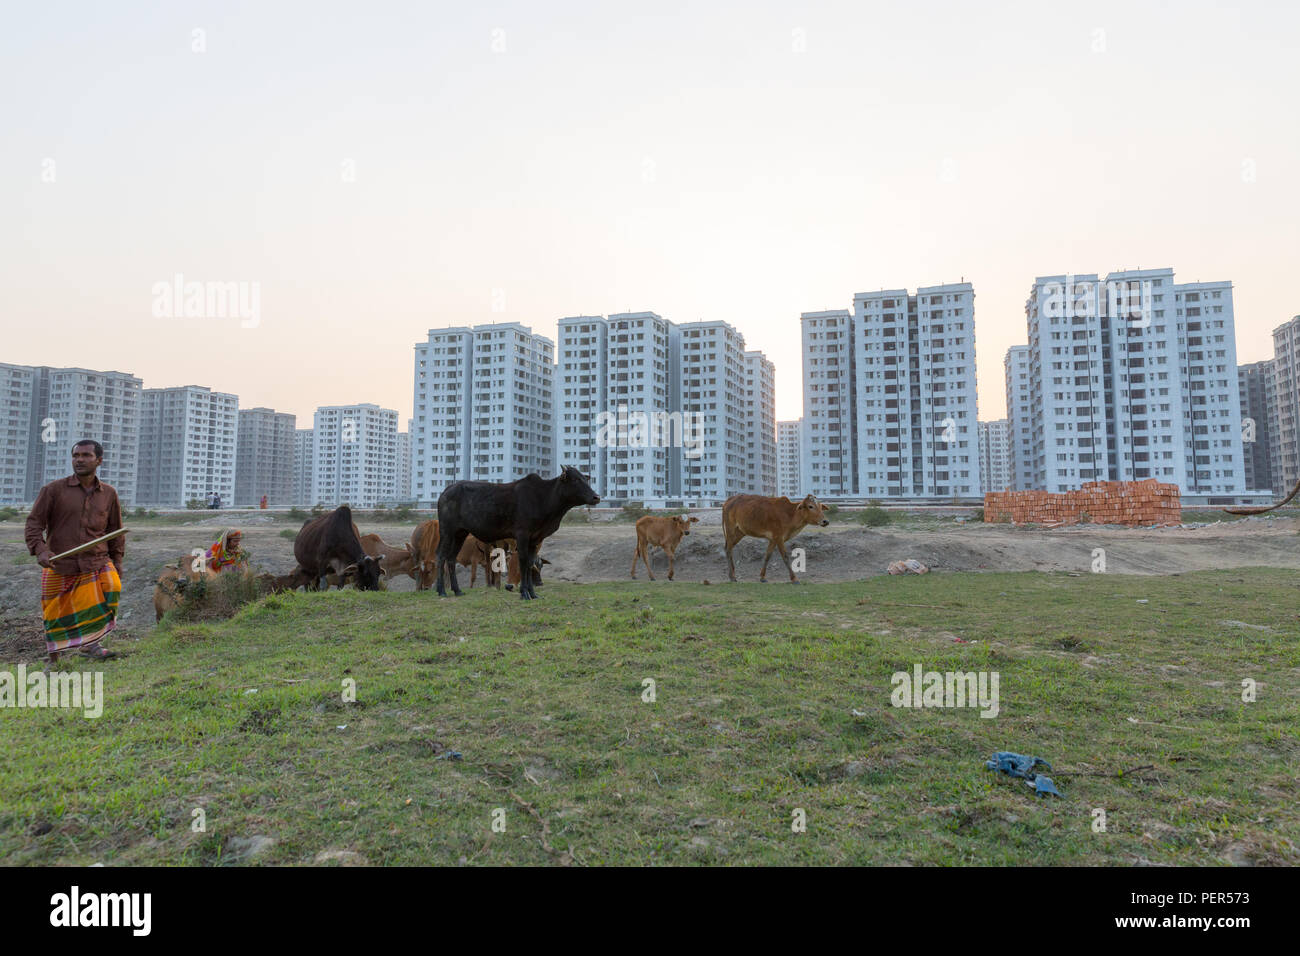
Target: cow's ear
564,475
695,519
350,569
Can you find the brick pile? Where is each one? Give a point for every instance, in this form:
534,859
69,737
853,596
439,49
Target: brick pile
1103,502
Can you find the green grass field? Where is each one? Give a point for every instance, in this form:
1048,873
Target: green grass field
753,720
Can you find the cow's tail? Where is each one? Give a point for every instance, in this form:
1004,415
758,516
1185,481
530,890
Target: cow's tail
1263,509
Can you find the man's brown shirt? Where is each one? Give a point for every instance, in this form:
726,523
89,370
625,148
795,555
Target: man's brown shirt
73,515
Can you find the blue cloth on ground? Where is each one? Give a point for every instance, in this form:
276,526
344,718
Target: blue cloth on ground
1043,786
1018,765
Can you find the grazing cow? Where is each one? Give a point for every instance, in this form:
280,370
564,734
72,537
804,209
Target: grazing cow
424,553
659,532
512,569
528,511
393,559
331,543
172,583
474,554
776,519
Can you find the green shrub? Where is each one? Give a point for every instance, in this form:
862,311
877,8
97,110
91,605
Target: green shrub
8,514
289,534
194,504
977,515
216,598
634,510
577,516
404,513
874,516
317,509
297,514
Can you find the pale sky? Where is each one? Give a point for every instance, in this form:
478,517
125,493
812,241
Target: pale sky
742,161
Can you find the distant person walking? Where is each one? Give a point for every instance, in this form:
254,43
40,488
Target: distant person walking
79,594
263,502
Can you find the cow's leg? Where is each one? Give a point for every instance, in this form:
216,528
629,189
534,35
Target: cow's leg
671,552
525,553
771,545
731,538
449,546
635,556
780,546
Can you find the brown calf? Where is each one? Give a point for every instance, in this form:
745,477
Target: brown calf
424,553
776,519
659,532
395,560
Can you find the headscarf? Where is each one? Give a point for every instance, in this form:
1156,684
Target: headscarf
220,556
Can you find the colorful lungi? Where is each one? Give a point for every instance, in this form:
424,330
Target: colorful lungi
79,609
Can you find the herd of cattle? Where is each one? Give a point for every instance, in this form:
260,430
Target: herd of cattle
486,525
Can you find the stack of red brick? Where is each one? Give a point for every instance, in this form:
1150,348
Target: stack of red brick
1099,502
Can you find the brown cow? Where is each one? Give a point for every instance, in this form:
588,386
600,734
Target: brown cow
659,532
776,519
475,553
512,568
394,560
424,553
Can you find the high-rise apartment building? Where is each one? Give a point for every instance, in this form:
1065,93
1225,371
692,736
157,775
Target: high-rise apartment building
1134,377
402,491
1286,403
659,412
355,455
713,375
889,396
995,455
484,407
44,410
304,466
189,439
828,454
264,458
20,433
788,473
1020,426
581,397
760,424
1255,383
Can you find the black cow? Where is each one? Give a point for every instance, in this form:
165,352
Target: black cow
331,543
528,510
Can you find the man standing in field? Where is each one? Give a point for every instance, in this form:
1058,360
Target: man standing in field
79,594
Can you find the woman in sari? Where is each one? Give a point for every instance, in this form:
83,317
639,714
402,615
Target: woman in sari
226,553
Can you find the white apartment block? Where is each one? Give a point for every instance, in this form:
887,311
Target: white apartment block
264,458
1020,426
713,373
995,455
513,394
189,439
828,453
484,407
788,473
1285,463
917,415
1256,385
1134,377
355,455
304,466
643,385
760,424
581,395
442,434
402,491
20,432
665,414
69,404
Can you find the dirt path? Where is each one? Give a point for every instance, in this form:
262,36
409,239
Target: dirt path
603,552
